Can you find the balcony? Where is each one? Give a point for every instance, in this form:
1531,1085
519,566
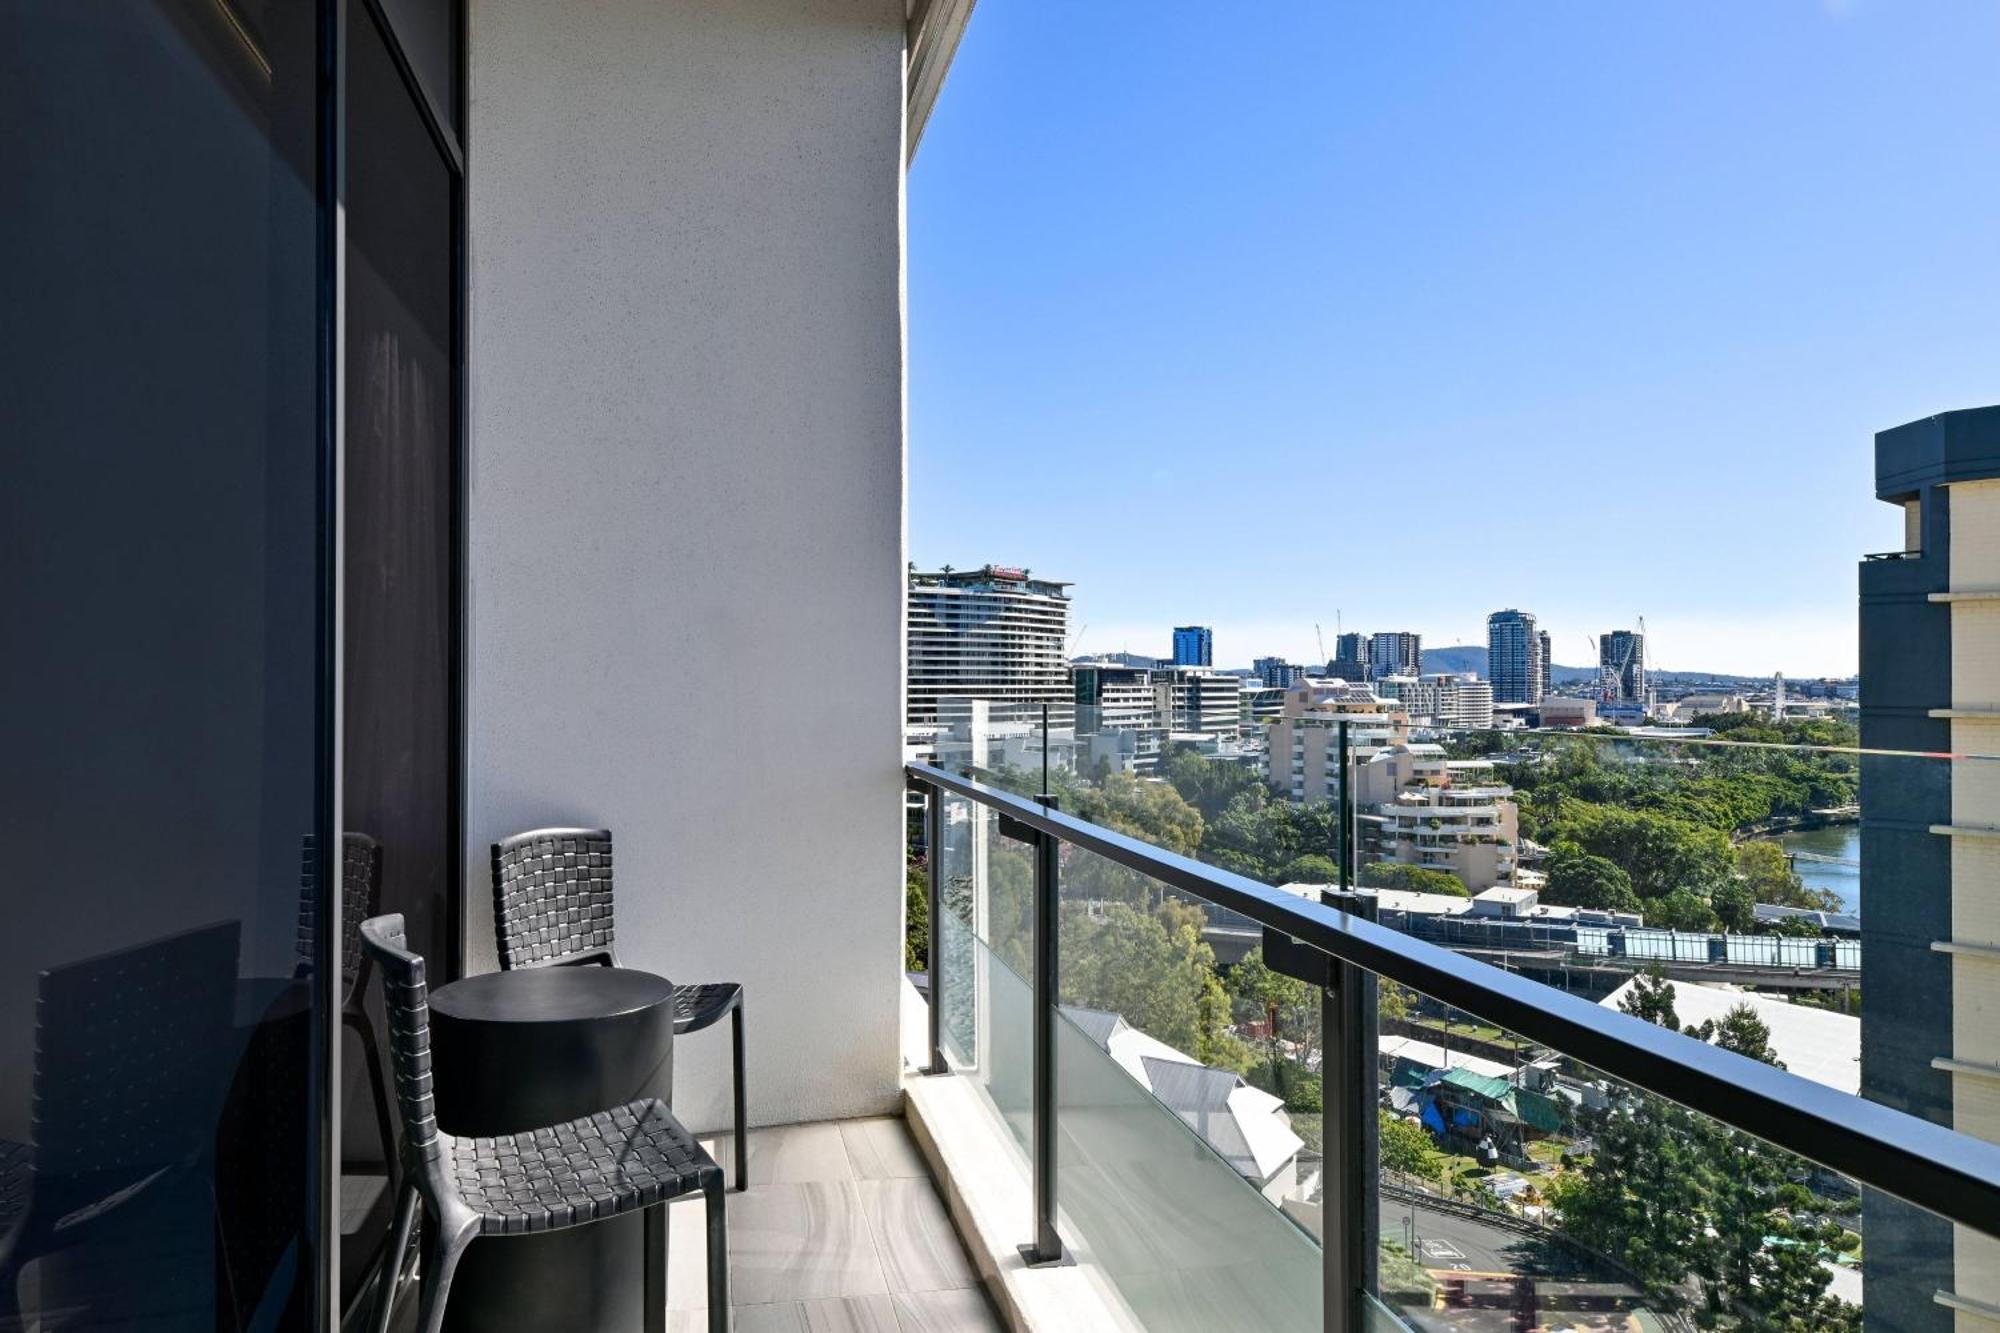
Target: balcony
1116,1170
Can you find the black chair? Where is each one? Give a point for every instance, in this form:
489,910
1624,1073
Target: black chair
126,1093
636,1156
360,898
552,908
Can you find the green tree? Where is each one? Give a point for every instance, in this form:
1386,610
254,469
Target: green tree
1290,1006
1734,906
1742,1031
1579,879
1309,869
1408,1148
1683,909
1118,958
1151,811
1652,998
1414,879
1768,873
916,916
1660,854
1210,785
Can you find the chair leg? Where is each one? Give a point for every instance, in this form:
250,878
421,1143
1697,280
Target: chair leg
656,1269
742,1118
372,1057
718,1258
392,1259
442,1252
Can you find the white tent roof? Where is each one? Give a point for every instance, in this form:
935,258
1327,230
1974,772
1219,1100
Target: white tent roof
1813,1043
1433,1056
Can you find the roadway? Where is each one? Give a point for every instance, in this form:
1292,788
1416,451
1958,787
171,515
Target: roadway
1447,1243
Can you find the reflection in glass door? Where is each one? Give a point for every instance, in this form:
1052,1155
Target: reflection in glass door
399,479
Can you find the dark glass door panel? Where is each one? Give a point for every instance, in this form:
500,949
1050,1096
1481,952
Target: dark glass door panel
160,755
399,464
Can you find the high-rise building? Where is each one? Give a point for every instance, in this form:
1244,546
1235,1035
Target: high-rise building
1930,957
1396,653
1546,661
1350,657
1114,698
1192,700
1305,740
1460,702
1194,646
1516,657
1621,666
991,633
1276,673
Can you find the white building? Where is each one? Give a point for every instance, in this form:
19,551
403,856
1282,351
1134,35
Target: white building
991,633
1305,739
1188,699
1458,702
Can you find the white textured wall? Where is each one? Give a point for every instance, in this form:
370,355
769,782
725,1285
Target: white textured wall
687,502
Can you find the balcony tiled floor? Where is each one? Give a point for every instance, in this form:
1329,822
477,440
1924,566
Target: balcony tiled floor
840,1230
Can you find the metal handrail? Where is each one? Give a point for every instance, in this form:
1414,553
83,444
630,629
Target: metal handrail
1935,1168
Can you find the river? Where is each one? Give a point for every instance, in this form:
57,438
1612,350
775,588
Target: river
1839,840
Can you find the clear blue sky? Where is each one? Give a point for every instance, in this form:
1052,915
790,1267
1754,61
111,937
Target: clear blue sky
1243,315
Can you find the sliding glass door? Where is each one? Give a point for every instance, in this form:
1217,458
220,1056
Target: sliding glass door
163,747
230,276
399,474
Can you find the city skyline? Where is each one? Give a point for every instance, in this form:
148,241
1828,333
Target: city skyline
1237,644
1247,334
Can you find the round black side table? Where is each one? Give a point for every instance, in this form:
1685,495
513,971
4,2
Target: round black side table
514,1051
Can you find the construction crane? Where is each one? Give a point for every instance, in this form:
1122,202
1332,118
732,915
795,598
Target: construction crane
1318,634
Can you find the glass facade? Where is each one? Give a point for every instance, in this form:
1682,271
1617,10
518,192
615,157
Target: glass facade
168,1021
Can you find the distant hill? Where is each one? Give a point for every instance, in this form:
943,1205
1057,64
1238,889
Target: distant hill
1122,659
1471,657
1465,657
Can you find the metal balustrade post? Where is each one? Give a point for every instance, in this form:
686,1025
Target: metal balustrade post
1346,830
1350,1208
1047,1246
934,852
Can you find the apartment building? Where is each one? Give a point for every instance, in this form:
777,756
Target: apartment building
1194,646
1350,657
1396,653
1277,673
1516,657
1452,701
1443,816
1304,752
1621,667
1190,700
993,633
1930,845
1118,717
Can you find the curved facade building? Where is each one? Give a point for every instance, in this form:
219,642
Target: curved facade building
992,633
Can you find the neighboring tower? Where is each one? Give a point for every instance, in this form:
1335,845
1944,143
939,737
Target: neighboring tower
994,634
1621,667
1930,842
1276,673
1350,657
1396,653
1516,657
1194,645
1545,670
